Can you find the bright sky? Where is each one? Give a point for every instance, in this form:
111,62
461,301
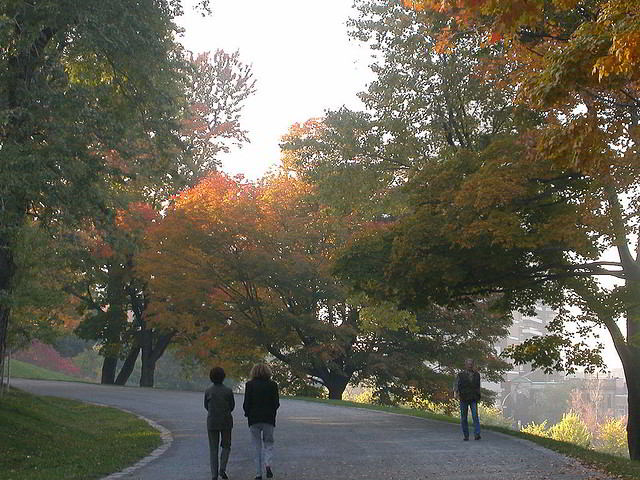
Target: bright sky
302,59
304,64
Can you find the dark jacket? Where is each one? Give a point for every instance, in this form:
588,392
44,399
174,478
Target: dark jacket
468,386
219,402
261,401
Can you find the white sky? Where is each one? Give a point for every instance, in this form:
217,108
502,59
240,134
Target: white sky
304,64
302,59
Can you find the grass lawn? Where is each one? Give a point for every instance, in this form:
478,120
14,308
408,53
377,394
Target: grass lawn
53,438
618,466
26,370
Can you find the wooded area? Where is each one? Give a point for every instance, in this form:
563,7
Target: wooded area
495,165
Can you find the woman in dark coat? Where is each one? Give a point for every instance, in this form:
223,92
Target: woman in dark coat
219,402
261,401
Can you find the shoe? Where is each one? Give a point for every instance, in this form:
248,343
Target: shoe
466,439
478,437
258,477
269,473
223,475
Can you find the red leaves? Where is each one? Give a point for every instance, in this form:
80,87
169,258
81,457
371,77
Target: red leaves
47,357
137,217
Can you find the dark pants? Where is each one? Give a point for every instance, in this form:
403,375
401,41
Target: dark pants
222,438
464,419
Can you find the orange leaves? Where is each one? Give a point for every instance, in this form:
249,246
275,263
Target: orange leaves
623,58
417,5
494,37
136,218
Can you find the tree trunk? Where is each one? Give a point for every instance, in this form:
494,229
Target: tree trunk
109,370
129,365
7,271
148,363
631,358
336,385
151,353
633,420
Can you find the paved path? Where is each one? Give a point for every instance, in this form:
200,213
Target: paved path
318,441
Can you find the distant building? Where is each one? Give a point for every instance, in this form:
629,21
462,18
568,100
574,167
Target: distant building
608,394
523,390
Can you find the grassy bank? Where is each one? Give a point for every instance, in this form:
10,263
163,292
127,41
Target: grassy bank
52,438
26,370
620,467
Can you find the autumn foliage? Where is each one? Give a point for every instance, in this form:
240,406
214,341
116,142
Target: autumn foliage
46,356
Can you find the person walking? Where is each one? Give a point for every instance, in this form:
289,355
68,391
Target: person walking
219,403
261,401
467,390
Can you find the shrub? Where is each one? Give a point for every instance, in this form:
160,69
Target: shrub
571,429
445,408
612,437
493,416
46,356
365,396
538,429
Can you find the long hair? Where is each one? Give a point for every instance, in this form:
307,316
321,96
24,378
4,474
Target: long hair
261,370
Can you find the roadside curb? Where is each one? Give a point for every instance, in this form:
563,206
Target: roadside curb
165,435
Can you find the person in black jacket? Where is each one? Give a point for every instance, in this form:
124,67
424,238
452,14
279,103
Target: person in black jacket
219,402
467,390
261,401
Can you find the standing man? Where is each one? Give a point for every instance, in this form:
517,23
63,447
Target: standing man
219,402
467,390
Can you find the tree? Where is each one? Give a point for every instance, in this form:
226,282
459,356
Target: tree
216,89
242,271
578,63
79,81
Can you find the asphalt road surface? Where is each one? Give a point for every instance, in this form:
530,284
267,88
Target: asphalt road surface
318,441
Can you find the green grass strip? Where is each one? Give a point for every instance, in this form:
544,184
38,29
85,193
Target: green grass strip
26,370
53,438
621,467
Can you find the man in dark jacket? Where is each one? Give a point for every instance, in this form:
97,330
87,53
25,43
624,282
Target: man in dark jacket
467,390
219,402
261,401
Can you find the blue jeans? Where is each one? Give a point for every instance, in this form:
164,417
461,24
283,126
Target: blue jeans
262,436
464,419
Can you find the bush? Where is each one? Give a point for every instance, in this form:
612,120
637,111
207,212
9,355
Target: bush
493,416
612,437
537,429
365,396
571,429
449,408
46,356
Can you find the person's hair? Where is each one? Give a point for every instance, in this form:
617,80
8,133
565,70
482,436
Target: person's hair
217,375
261,370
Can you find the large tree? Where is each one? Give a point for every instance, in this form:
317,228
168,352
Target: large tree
80,81
216,88
578,63
242,271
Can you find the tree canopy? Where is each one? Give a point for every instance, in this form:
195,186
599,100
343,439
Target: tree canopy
242,270
529,211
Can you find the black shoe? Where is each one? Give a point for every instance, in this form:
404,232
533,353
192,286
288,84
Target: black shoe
269,473
466,439
223,475
258,477
478,437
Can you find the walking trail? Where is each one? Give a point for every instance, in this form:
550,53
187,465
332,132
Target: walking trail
316,440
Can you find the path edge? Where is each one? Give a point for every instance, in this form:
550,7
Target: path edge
165,436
